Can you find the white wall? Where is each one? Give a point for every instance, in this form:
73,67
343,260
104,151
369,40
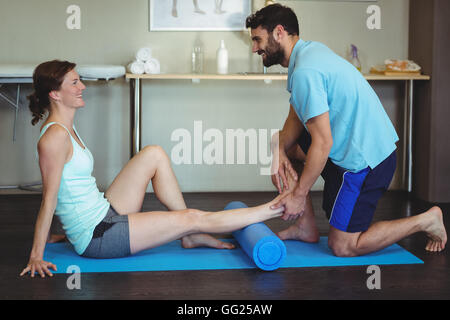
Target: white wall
112,31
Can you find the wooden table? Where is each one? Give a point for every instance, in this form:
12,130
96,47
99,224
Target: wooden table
136,105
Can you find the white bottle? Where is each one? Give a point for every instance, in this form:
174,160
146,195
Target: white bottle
222,59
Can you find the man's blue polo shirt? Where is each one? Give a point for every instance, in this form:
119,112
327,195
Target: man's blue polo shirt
319,81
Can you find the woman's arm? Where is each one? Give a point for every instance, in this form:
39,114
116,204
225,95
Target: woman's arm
54,150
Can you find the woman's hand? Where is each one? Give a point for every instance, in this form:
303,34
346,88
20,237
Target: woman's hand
40,266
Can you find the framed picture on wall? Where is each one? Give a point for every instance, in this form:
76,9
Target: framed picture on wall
198,15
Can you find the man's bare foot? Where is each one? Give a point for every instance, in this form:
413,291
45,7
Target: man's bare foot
304,229
435,230
294,232
204,240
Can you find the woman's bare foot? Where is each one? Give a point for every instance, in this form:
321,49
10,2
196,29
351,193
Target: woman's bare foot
435,230
276,212
204,240
55,238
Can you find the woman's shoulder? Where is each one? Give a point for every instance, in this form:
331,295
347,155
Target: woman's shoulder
55,138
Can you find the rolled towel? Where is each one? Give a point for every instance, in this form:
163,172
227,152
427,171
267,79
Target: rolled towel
259,243
152,66
144,54
136,67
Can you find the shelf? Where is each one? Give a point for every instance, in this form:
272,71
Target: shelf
399,77
236,76
255,76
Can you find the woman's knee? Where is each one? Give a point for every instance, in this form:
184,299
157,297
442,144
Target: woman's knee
154,152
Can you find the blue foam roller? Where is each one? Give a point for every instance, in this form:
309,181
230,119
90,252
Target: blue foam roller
259,242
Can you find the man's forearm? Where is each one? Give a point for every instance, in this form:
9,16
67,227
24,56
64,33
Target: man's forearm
291,131
316,158
286,140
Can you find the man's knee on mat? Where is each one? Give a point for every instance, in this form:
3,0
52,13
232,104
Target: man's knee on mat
343,244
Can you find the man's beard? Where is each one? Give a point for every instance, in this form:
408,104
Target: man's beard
274,53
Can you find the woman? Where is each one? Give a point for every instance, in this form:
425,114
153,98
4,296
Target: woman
110,225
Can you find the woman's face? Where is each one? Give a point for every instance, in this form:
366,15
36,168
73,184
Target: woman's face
71,92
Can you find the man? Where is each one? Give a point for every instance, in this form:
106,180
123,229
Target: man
337,128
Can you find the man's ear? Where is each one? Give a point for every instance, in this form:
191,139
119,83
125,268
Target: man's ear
278,32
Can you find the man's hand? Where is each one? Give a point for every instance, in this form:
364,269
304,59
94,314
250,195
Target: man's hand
294,205
281,167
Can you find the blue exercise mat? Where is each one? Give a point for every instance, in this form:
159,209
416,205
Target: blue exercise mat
172,256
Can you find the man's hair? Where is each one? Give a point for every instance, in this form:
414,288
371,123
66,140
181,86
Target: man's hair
271,16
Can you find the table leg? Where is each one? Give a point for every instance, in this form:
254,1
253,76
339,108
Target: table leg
409,131
135,116
15,105
16,111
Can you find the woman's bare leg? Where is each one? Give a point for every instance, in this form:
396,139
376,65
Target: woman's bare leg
126,193
152,229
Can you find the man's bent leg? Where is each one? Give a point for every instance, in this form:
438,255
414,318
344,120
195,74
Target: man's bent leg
385,233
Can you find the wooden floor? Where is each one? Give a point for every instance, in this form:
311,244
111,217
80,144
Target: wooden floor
428,281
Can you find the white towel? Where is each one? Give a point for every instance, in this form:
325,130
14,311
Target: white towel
144,54
152,66
136,67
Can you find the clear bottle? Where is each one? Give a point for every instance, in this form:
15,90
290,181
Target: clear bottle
354,58
197,60
222,59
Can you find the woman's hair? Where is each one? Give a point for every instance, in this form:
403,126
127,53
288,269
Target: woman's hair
47,76
271,16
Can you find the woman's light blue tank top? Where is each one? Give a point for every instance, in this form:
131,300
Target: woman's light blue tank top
81,206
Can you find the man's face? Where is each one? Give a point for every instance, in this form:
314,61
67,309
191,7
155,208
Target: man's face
266,46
